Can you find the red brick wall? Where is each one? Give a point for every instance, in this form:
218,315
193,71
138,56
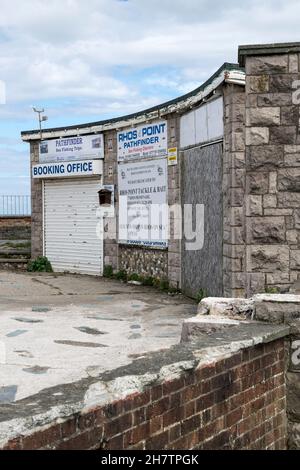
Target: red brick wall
235,403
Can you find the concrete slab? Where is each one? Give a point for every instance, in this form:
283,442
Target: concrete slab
59,329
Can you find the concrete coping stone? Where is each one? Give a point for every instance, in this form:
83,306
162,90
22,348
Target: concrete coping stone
57,404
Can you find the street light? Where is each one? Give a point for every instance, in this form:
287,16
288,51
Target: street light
41,118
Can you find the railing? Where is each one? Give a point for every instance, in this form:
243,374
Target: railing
15,206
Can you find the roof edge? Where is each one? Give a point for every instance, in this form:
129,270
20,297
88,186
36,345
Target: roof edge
266,49
180,103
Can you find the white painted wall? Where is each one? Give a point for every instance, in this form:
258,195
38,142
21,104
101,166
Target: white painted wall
202,124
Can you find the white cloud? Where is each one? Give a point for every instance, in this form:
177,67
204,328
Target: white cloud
100,58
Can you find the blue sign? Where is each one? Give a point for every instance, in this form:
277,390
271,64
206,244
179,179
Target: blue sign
67,169
147,140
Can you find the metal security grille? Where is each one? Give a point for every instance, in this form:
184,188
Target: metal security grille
72,225
11,206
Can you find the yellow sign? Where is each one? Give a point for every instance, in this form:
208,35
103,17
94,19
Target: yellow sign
173,156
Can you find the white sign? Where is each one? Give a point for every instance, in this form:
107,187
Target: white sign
143,207
72,148
147,140
67,169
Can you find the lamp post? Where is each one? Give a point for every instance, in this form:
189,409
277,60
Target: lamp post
41,118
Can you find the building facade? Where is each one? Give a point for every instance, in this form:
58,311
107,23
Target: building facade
218,165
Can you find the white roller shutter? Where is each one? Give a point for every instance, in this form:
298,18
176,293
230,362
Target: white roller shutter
72,225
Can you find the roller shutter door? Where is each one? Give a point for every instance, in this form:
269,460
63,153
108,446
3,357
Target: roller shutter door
71,226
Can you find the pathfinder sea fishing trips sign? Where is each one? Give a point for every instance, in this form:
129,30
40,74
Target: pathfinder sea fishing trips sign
147,140
143,208
85,147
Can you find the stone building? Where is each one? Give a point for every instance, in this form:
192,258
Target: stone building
229,150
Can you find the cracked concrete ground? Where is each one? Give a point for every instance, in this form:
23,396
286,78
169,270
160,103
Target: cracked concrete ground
59,329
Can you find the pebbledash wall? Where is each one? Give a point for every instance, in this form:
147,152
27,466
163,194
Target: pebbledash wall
248,180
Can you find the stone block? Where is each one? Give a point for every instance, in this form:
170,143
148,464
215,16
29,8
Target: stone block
293,435
256,283
257,183
270,201
266,230
236,216
257,84
277,278
198,326
292,159
229,307
265,156
282,83
289,180
288,199
293,396
254,205
273,182
251,100
277,308
267,258
236,196
292,237
237,160
283,135
274,99
295,259
268,64
293,63
290,115
257,135
263,116
297,219
238,142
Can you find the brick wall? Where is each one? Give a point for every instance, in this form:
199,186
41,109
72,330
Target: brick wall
234,403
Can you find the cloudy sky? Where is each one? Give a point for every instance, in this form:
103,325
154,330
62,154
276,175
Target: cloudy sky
93,59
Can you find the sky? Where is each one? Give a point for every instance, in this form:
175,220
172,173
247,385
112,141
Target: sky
90,60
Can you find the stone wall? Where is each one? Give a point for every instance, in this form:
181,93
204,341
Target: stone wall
36,206
147,263
234,176
272,170
15,228
234,402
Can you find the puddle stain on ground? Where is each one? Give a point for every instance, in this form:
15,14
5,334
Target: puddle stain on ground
90,331
27,320
38,309
135,327
80,344
98,317
135,336
16,333
24,354
36,370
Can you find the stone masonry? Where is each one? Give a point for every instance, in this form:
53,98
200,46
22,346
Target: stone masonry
234,175
272,189
36,206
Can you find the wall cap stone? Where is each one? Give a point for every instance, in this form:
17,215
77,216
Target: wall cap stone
266,49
